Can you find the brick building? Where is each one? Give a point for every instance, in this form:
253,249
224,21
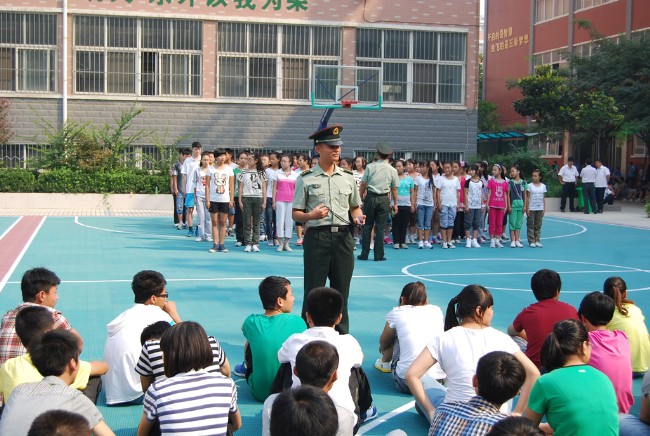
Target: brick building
236,73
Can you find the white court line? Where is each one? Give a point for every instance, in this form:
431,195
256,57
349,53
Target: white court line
10,227
584,229
148,235
379,421
4,280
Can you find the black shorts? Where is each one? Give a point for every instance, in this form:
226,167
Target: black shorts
219,207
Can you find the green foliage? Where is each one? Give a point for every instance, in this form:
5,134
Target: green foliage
116,140
16,180
597,113
488,117
6,125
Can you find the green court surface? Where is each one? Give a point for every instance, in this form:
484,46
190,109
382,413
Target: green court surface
96,257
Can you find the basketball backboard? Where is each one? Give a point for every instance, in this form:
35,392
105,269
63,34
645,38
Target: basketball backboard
342,86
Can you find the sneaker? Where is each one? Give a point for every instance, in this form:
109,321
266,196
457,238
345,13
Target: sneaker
248,249
519,244
256,248
428,244
262,238
208,238
288,248
493,243
271,244
200,239
513,245
276,242
396,246
240,370
196,231
178,226
457,241
450,244
404,246
469,243
214,249
421,244
387,240
223,248
475,244
372,246
481,240
299,241
499,244
369,414
239,244
444,245
280,248
505,237
532,245
538,244
382,366
190,233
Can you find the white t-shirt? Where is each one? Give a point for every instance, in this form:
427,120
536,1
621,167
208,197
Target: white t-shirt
220,185
198,180
271,175
588,174
350,355
449,191
601,176
357,177
415,327
425,190
189,166
536,199
568,174
458,351
252,182
474,198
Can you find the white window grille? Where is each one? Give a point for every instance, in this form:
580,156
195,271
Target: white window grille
584,4
418,67
549,9
269,61
28,52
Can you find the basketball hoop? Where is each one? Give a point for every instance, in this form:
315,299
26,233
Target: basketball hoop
347,104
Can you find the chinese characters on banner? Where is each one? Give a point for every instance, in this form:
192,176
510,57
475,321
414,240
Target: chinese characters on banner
276,5
504,40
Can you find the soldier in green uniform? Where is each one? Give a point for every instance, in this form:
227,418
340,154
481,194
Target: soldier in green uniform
324,196
379,179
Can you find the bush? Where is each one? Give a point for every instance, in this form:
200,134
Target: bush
17,180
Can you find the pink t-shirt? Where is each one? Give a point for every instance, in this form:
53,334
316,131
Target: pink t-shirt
498,191
610,354
286,186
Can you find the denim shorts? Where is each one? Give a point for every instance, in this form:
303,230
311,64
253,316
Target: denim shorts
447,217
425,213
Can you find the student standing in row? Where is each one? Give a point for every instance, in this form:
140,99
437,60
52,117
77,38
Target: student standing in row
516,206
252,200
426,188
535,207
284,186
200,179
497,201
221,197
474,206
405,206
448,203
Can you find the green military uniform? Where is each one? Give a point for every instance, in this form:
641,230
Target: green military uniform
328,245
379,177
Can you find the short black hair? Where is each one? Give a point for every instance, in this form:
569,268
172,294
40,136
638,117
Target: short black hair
219,152
32,322
545,284
570,159
316,362
305,411
185,347
324,305
185,151
154,331
272,288
597,308
196,144
515,426
52,354
59,423
500,375
37,280
147,283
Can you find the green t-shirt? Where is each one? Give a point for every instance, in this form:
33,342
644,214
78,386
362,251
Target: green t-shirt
577,400
265,335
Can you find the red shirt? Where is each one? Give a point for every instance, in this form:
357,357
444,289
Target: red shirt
538,320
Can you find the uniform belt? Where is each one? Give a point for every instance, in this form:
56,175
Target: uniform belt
385,194
332,229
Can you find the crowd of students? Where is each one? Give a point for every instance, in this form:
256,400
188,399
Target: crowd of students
572,367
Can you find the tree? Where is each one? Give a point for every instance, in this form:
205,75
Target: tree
488,117
597,114
6,125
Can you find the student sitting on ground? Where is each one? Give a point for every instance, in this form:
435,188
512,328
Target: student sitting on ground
59,423
150,364
31,323
535,322
499,375
39,288
265,333
515,426
305,411
190,400
324,312
630,425
122,348
610,350
56,357
316,365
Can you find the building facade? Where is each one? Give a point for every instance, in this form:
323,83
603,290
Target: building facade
237,73
522,34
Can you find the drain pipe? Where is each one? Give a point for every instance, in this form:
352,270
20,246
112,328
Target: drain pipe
64,69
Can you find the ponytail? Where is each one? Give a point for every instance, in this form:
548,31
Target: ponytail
616,288
451,317
566,340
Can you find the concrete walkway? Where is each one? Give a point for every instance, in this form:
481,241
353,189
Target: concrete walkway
631,215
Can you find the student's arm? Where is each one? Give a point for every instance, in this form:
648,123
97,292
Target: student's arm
457,199
466,199
170,308
527,203
533,416
393,190
145,426
413,375
264,185
513,332
102,429
173,184
387,338
438,199
532,374
98,367
231,186
145,381
362,189
644,412
225,368
207,190
234,421
414,198
275,189
241,193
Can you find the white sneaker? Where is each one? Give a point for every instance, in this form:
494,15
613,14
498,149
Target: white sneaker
199,239
475,244
519,244
288,248
538,244
357,241
238,244
247,249
382,366
421,245
404,246
499,244
532,245
444,245
256,248
372,246
271,244
427,244
513,245
396,246
493,243
262,238
280,248
208,238
469,243
450,245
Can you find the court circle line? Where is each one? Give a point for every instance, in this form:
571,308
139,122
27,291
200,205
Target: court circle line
584,229
405,271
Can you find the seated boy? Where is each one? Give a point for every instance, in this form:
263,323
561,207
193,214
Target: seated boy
499,375
123,347
324,312
316,365
56,357
31,323
39,288
150,364
610,350
59,423
535,322
265,333
305,411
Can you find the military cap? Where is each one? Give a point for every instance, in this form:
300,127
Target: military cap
384,148
328,136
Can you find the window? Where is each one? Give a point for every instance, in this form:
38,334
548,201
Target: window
556,58
549,9
418,67
583,4
638,147
28,52
269,61
117,55
548,146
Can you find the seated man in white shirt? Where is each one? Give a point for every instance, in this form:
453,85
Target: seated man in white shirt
316,365
122,349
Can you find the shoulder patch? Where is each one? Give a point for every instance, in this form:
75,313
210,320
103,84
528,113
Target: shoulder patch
304,173
348,172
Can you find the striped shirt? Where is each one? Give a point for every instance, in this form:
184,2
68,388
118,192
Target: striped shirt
475,417
196,402
150,363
